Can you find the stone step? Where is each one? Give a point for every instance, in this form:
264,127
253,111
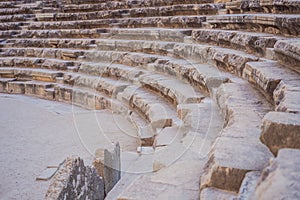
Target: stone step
85,7
163,34
150,106
31,88
278,83
154,108
269,23
172,89
24,73
230,60
52,43
161,22
257,43
266,6
200,75
281,130
7,4
243,109
15,18
65,54
251,42
204,74
32,62
172,10
11,11
280,178
203,118
287,52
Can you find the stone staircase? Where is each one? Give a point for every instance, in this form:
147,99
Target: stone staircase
213,87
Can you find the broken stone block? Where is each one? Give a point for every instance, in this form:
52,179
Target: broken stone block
281,130
280,180
74,180
229,161
147,135
108,165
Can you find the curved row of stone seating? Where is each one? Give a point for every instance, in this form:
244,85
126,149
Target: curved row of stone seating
139,45
186,9
234,170
242,106
165,47
176,95
267,6
237,6
278,24
261,44
27,7
126,44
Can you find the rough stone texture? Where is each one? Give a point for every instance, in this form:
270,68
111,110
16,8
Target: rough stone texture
288,52
238,149
278,83
269,23
118,53
74,180
230,159
281,130
249,183
108,165
280,179
241,104
213,193
254,43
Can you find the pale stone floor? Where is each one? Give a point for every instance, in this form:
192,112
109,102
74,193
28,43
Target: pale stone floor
36,133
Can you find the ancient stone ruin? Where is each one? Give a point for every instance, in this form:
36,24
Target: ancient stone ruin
211,86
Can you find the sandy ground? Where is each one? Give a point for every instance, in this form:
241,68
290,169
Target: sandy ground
36,133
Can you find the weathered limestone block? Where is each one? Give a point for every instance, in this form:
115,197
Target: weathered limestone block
288,52
249,183
147,135
4,84
214,193
280,179
63,94
265,75
35,88
89,99
16,87
238,149
56,64
229,161
255,43
74,180
281,130
286,96
242,108
108,166
172,89
269,23
231,60
171,35
279,84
